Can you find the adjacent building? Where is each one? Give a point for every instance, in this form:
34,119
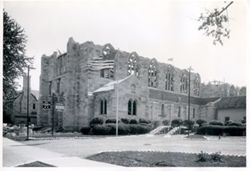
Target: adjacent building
91,80
19,109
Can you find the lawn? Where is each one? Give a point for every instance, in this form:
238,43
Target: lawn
165,159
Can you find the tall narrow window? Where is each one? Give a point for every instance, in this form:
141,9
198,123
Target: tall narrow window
50,87
34,106
193,112
196,83
129,107
132,64
134,108
184,83
169,82
153,74
58,86
162,110
103,106
179,111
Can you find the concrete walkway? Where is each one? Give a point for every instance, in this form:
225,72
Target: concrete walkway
16,153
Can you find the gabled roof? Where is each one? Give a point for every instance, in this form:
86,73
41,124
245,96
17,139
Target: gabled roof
231,102
110,86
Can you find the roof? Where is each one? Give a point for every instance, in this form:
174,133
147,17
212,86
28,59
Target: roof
175,97
231,102
110,86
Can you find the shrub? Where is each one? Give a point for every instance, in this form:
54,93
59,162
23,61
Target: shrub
234,124
216,123
101,130
125,120
108,121
156,124
220,130
200,122
139,129
216,157
85,130
133,121
188,123
176,122
165,122
96,121
144,121
202,157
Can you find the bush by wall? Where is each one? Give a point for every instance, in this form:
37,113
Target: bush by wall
216,123
96,121
108,121
133,121
176,122
188,123
101,129
222,130
144,121
85,130
200,122
125,120
165,122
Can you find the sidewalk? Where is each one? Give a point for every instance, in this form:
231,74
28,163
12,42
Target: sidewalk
16,153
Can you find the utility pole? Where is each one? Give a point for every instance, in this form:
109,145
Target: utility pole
52,114
117,97
189,83
28,94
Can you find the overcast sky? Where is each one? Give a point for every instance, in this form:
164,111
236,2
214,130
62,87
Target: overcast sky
153,28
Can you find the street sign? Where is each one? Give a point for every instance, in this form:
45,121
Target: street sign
59,106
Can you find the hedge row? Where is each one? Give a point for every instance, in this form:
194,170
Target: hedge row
101,121
110,129
221,130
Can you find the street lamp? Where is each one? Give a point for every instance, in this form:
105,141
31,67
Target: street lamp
28,94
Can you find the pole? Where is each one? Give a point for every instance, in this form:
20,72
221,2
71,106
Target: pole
28,93
117,100
189,73
52,114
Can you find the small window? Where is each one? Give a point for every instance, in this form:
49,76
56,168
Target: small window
162,110
34,106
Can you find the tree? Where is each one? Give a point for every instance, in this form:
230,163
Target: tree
243,91
213,24
14,59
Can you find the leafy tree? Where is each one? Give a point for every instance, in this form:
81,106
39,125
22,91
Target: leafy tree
213,24
243,91
14,59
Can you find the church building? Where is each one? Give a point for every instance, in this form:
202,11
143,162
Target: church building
91,80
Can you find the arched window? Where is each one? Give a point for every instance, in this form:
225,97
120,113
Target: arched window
153,74
133,64
132,107
103,106
197,85
184,83
169,82
108,51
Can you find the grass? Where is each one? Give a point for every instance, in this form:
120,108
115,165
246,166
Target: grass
164,159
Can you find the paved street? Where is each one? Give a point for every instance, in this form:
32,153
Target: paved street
84,146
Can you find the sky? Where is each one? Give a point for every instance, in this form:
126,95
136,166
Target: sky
153,28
